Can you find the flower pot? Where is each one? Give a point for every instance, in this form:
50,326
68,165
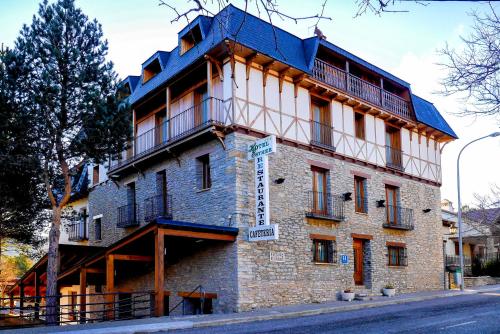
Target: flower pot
389,292
347,296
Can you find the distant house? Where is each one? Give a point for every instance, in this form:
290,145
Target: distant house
481,235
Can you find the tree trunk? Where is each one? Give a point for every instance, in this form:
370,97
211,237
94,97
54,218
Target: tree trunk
53,268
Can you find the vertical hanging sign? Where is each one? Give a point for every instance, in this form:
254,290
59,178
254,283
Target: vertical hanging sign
259,152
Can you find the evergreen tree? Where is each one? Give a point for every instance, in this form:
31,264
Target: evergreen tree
21,197
67,87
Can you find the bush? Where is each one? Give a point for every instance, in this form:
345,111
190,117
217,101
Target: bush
492,268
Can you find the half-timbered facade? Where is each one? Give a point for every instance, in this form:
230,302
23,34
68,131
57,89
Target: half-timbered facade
354,181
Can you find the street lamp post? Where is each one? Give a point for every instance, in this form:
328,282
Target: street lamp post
460,247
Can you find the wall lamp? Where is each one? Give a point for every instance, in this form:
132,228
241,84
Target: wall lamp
426,210
381,203
279,181
347,197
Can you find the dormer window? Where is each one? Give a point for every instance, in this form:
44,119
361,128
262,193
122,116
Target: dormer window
151,70
190,39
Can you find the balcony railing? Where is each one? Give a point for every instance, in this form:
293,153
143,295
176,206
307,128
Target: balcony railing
325,205
394,158
322,135
77,231
209,112
399,218
454,261
127,216
369,92
158,206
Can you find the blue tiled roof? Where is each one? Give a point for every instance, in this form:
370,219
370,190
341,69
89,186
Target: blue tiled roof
426,112
248,30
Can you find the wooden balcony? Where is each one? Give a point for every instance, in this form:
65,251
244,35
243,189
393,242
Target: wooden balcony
208,113
360,88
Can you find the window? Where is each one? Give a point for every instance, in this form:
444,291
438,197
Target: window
151,70
397,255
359,125
392,200
321,126
95,175
393,154
204,178
457,248
319,190
324,251
190,39
97,229
161,202
361,202
131,203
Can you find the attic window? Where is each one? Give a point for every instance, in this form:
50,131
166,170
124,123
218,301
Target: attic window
190,39
151,70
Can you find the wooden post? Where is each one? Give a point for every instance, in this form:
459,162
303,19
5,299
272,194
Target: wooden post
83,295
110,285
21,299
382,92
159,272
37,295
11,303
210,94
347,86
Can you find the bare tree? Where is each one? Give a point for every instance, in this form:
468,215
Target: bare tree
484,215
475,69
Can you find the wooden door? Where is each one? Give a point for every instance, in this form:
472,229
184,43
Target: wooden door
358,261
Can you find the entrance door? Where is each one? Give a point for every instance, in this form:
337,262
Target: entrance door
358,261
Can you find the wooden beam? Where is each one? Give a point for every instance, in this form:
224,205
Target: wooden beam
83,295
296,83
134,238
218,65
281,77
265,70
248,63
94,271
125,257
190,294
199,235
159,272
110,286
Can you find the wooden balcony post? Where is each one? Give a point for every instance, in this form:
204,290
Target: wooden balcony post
210,90
168,114
382,92
37,295
159,272
110,286
83,295
347,85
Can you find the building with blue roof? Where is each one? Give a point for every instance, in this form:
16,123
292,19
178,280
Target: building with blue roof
347,195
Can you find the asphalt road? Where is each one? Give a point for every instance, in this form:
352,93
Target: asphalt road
478,313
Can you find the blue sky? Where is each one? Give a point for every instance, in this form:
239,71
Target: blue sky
404,44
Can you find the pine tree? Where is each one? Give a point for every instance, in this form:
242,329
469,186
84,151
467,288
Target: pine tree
67,87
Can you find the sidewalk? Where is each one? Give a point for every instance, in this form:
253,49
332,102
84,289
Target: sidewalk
151,325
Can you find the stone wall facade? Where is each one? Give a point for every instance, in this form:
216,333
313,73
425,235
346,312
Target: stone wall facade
241,273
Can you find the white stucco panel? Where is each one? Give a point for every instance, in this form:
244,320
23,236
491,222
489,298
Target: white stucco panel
303,104
255,89
272,93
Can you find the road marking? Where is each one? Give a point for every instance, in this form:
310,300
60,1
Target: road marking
461,324
490,294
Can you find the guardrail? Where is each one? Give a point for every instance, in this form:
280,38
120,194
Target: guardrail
325,205
399,218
